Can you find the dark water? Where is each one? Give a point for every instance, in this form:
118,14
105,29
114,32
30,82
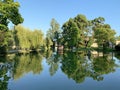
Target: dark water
68,71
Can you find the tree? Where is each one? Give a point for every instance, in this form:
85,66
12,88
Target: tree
22,36
9,12
70,33
37,39
103,32
118,37
78,31
53,32
84,29
28,39
48,43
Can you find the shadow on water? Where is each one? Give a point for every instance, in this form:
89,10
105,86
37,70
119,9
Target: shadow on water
76,65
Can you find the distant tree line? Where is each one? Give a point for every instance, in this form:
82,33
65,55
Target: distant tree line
79,32
83,32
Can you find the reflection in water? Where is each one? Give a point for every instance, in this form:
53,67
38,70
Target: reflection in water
20,64
53,61
3,79
76,65
26,63
117,55
5,72
89,54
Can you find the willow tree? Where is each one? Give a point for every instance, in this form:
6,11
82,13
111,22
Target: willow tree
21,36
37,39
28,39
9,12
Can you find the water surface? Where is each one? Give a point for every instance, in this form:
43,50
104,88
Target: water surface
53,71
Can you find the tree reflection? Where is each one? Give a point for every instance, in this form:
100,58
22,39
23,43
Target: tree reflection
5,68
101,66
53,61
78,66
75,66
3,79
26,63
117,55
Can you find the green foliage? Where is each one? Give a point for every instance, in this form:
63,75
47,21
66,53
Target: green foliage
22,36
53,33
27,39
5,40
9,12
77,32
70,33
37,39
103,32
80,32
48,43
117,38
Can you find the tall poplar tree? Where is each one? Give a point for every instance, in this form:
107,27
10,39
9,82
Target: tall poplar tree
53,32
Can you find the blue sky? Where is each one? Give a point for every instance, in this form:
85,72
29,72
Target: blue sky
37,14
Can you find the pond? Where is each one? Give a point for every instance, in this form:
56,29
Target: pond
60,71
